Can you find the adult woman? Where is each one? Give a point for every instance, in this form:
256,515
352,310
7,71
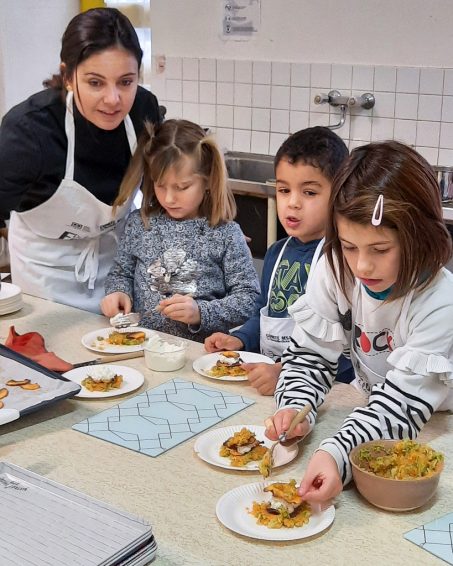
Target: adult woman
63,153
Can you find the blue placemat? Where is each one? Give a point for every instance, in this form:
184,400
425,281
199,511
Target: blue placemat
162,417
435,537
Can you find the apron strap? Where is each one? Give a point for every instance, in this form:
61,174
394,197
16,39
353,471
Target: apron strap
274,271
315,259
402,326
86,268
130,132
70,135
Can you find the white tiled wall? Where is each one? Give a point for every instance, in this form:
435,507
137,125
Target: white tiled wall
254,105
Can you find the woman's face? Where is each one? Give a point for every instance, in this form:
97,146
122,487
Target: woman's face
104,87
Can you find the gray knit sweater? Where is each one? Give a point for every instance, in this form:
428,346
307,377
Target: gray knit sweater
213,264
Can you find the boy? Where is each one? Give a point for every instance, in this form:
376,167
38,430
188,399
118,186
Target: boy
304,166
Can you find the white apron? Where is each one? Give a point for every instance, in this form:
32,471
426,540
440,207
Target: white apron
62,249
373,369
275,333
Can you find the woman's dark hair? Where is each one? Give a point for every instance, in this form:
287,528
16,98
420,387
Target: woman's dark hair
411,207
91,32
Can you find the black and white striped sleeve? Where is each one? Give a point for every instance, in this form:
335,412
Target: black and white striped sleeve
309,366
310,363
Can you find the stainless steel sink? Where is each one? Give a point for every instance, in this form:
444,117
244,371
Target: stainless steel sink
251,178
250,173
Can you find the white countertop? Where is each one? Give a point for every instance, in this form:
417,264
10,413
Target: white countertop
177,492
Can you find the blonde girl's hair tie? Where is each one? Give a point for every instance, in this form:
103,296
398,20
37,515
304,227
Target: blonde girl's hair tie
378,211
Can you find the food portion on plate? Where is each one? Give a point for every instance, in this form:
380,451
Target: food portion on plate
116,338
105,380
112,341
228,364
242,448
285,509
211,447
102,378
404,460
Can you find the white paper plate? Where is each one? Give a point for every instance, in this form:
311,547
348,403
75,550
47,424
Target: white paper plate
203,364
132,379
208,445
91,341
232,511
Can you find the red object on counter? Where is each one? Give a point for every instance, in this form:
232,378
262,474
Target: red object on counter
32,346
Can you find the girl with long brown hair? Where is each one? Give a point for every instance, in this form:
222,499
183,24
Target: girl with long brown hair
382,294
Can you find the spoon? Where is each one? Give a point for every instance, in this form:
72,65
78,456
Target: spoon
267,462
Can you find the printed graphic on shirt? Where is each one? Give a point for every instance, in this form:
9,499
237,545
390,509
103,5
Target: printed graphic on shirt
287,286
373,343
174,273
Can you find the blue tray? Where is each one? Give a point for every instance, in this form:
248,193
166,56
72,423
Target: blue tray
163,417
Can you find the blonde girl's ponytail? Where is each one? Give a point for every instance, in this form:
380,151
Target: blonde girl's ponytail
137,174
219,205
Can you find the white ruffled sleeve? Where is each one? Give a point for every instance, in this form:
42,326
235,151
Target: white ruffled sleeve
412,361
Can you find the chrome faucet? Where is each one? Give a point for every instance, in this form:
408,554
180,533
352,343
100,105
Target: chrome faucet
335,98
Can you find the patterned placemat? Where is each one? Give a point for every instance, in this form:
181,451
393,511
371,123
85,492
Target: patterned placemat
162,417
435,537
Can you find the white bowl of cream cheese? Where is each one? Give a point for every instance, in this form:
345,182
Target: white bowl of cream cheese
164,354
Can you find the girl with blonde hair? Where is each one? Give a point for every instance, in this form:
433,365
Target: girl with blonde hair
182,262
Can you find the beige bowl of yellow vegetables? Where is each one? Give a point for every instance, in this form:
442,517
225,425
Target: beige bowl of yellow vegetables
396,475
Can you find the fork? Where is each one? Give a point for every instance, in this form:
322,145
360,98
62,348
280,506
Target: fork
267,462
122,320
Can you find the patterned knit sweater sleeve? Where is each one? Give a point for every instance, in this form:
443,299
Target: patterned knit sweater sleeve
241,285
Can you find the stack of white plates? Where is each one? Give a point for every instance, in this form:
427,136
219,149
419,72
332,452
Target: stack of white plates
10,298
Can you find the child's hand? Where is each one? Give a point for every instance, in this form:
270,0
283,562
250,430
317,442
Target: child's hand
220,341
182,308
263,377
116,302
280,423
322,480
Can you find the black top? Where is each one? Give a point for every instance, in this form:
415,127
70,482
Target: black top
33,147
